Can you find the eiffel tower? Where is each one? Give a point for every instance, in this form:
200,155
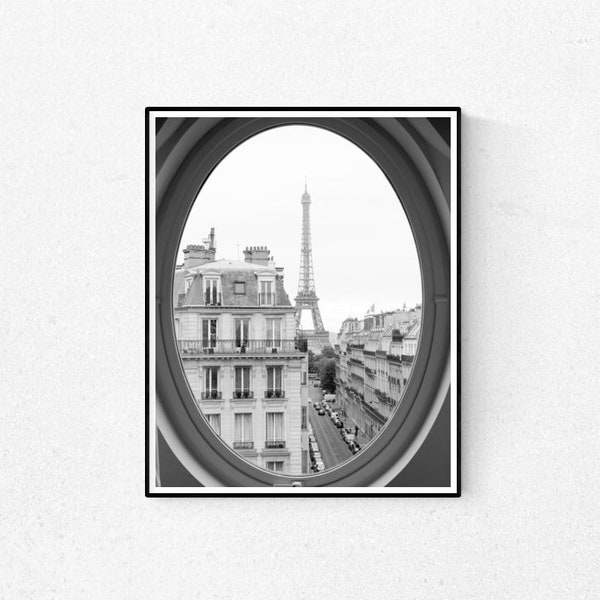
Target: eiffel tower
307,297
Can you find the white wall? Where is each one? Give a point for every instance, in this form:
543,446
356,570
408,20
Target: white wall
75,80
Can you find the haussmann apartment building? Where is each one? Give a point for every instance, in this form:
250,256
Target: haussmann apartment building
247,369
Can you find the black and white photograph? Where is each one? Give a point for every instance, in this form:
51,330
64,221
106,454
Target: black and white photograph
304,338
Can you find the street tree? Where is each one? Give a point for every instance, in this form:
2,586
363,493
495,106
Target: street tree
327,374
328,352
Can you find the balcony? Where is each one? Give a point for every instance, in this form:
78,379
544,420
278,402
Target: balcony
253,347
265,299
243,394
212,395
275,393
243,445
212,298
384,397
275,444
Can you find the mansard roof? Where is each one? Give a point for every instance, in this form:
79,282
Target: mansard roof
230,273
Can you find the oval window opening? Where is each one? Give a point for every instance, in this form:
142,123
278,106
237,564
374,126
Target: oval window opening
297,300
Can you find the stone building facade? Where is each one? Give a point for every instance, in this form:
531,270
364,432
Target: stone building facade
374,359
236,332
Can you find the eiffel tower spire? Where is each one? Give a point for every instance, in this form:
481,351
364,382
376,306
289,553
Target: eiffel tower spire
307,296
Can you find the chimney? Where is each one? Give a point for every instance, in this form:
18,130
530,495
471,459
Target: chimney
259,255
195,255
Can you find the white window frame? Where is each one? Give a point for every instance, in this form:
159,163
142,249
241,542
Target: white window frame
266,298
243,339
275,426
212,286
275,376
273,332
243,430
211,373
210,339
245,378
271,465
214,420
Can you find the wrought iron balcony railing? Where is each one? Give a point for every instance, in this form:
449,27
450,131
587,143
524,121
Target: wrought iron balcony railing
212,299
208,346
212,395
243,394
275,444
275,393
243,445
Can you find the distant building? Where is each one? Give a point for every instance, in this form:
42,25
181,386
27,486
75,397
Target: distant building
236,331
374,359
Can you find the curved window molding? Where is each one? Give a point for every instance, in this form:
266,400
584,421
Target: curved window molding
411,148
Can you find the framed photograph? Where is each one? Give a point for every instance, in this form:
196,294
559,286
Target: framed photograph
302,301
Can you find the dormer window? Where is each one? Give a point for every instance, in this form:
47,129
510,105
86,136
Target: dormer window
266,295
212,291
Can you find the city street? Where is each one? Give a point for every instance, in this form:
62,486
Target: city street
331,445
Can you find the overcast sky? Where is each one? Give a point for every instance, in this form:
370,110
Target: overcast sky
363,249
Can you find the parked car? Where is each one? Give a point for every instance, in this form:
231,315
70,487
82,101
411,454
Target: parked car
321,411
339,424
317,405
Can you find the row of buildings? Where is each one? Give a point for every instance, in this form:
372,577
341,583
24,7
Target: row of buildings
246,367
374,358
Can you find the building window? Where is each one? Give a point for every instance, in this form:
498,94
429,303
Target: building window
215,422
275,465
273,333
243,431
304,424
212,294
275,434
274,381
266,296
209,333
242,382
211,382
242,332
188,283
239,287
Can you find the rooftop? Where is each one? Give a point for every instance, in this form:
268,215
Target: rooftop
233,265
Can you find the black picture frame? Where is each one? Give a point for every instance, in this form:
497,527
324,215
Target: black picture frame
446,429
